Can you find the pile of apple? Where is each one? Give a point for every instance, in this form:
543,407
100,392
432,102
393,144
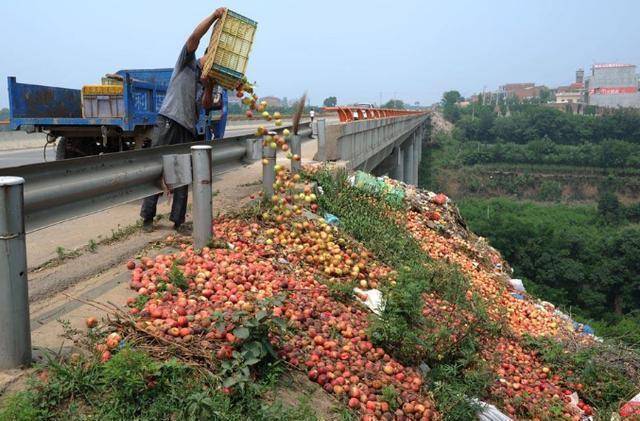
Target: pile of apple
523,316
289,253
320,249
526,386
328,340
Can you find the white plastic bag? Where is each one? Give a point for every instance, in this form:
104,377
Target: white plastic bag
490,412
373,299
517,285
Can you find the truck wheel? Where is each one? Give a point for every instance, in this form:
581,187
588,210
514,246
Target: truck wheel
76,148
61,152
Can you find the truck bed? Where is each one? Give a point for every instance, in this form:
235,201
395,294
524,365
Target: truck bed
44,107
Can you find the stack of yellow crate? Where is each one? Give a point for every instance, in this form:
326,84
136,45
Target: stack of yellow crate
102,101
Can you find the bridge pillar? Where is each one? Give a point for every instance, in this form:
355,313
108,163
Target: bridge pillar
416,156
407,156
397,164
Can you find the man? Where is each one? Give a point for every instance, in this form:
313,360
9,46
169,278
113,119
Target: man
179,115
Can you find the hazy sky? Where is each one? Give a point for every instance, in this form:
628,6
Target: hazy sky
355,50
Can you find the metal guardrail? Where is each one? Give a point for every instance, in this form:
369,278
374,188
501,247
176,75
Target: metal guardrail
36,196
58,191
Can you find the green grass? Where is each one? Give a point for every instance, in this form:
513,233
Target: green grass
132,385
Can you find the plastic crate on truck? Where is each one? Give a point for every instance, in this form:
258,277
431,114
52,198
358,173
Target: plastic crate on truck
229,49
102,101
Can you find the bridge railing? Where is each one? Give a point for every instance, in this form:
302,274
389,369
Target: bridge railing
361,144
349,114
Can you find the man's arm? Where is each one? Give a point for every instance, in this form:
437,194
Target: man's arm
207,95
202,28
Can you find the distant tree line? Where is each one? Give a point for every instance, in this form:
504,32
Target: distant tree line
532,122
530,133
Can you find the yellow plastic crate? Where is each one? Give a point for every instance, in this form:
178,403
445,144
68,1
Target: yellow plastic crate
228,54
102,90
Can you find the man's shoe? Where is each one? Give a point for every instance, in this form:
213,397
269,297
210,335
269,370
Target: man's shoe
147,225
181,229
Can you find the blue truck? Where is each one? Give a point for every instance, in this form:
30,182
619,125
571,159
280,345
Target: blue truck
58,113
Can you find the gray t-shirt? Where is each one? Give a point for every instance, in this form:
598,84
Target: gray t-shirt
181,102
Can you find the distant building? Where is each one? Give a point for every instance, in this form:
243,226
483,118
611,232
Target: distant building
521,91
569,97
613,85
572,94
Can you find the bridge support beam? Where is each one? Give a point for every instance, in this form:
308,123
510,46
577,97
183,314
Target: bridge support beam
416,156
407,157
398,164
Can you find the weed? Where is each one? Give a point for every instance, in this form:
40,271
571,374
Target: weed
341,291
92,246
122,233
390,395
177,278
64,254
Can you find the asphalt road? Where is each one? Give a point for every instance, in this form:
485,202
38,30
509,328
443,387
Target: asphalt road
15,158
25,157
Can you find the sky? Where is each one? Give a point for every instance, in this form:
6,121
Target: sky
358,51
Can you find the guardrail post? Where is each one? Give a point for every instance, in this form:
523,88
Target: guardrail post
15,342
296,151
253,149
268,170
202,195
322,140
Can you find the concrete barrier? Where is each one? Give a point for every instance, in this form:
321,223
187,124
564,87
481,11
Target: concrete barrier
366,144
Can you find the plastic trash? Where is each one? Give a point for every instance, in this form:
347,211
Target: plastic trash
582,328
631,408
331,219
373,299
517,296
489,412
378,186
517,285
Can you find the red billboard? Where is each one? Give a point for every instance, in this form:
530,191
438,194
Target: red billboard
613,90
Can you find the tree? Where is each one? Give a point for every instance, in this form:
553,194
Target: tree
332,101
608,204
394,104
451,98
450,108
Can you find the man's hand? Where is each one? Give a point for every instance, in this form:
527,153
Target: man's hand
219,12
194,39
167,191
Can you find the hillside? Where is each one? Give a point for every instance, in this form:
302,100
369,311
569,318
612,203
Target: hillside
209,332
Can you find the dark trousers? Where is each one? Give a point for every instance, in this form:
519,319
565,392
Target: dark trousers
168,132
